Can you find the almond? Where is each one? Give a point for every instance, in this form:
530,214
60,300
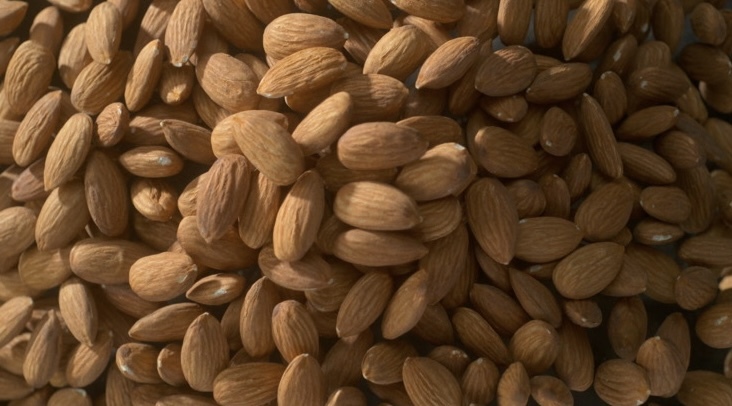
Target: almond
514,17
704,387
514,386
222,195
536,299
627,326
605,211
585,27
100,84
664,366
506,72
601,260
398,53
264,378
379,145
293,330
558,83
302,382
204,353
599,137
358,203
565,236
104,32
302,71
493,219
310,31
162,276
479,337
28,75
14,313
621,382
377,248
429,383
500,151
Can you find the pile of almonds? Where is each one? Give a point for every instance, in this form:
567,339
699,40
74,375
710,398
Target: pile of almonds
330,202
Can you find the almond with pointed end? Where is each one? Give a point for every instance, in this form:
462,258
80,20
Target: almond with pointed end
28,75
87,363
664,366
104,32
506,72
379,145
536,299
504,154
184,30
267,146
263,379
79,310
493,218
14,313
216,289
162,276
293,330
302,383
371,13
229,82
324,124
226,253
514,386
221,196
64,214
100,84
68,151
429,383
43,353
622,382
309,30
406,306
16,230
299,217
585,27
205,352
627,327
255,322
605,211
364,303
375,206
601,260
377,248
144,75
398,53
302,71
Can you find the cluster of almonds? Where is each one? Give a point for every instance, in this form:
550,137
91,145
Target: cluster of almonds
308,202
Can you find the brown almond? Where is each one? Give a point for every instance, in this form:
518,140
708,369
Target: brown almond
479,337
556,238
493,219
28,76
379,145
163,276
428,382
293,330
302,71
536,299
221,196
68,151
602,260
310,30
600,138
364,303
506,72
621,382
299,217
514,387
302,382
100,84
605,211
398,53
585,27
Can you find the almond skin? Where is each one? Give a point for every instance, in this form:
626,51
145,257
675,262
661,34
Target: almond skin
358,204
506,72
302,71
601,260
429,383
493,219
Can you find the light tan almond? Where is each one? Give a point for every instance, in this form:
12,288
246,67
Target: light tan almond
303,382
221,196
112,124
398,53
605,211
299,217
28,76
264,378
302,71
34,133
265,144
87,363
98,84
44,351
375,97
184,30
162,276
79,310
216,289
144,75
105,261
104,34
324,124
372,13
377,248
229,82
293,330
68,151
204,352
364,303
226,253
63,216
310,30
16,225
14,313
